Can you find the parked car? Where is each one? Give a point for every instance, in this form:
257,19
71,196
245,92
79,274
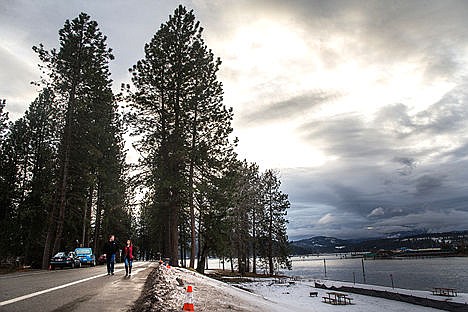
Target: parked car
102,259
86,256
63,259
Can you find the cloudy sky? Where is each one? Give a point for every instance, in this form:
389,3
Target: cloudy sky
362,105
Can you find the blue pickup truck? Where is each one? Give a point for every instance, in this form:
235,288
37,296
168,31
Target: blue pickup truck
86,256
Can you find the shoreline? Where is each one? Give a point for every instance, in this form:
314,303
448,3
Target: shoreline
409,273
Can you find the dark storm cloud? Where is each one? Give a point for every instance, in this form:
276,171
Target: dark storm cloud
408,165
381,182
458,153
446,116
349,137
364,205
427,184
402,30
290,108
430,32
391,135
449,114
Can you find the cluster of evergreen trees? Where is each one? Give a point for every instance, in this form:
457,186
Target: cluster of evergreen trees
62,164
64,181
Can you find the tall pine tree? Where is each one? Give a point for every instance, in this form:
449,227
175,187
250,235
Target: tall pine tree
274,240
90,159
183,125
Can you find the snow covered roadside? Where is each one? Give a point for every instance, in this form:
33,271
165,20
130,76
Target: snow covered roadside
167,292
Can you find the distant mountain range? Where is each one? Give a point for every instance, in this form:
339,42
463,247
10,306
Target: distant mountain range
411,240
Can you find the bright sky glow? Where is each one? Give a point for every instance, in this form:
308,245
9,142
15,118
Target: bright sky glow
293,152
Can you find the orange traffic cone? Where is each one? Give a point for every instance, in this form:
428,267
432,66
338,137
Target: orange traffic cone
188,305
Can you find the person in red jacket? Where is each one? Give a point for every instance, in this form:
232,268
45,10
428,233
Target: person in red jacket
128,258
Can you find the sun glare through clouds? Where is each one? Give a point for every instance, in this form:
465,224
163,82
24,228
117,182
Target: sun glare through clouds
279,148
281,61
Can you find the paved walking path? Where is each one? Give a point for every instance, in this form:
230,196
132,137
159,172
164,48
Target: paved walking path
120,294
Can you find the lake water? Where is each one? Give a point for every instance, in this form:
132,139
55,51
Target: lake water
418,274
421,274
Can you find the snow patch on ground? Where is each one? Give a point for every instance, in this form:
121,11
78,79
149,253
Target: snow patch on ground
297,298
169,294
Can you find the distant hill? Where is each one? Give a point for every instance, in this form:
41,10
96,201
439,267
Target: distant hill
410,240
319,244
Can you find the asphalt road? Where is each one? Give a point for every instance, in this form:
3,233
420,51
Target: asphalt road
83,289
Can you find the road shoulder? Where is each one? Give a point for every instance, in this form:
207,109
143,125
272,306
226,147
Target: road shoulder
120,294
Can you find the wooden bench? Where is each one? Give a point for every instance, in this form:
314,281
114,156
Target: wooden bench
313,294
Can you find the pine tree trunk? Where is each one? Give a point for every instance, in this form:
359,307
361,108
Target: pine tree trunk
63,181
165,219
202,262
176,162
174,234
270,238
67,145
191,191
254,243
183,247
50,235
87,216
97,223
200,238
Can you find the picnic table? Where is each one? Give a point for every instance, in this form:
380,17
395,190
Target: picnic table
447,292
281,280
337,298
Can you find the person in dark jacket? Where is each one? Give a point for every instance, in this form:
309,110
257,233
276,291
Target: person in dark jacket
110,248
128,258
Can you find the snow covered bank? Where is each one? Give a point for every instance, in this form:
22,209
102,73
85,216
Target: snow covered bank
166,292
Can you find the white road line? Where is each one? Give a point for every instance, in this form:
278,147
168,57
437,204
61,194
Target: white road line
8,276
10,301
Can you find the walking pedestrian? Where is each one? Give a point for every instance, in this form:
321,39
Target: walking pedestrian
110,248
128,258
